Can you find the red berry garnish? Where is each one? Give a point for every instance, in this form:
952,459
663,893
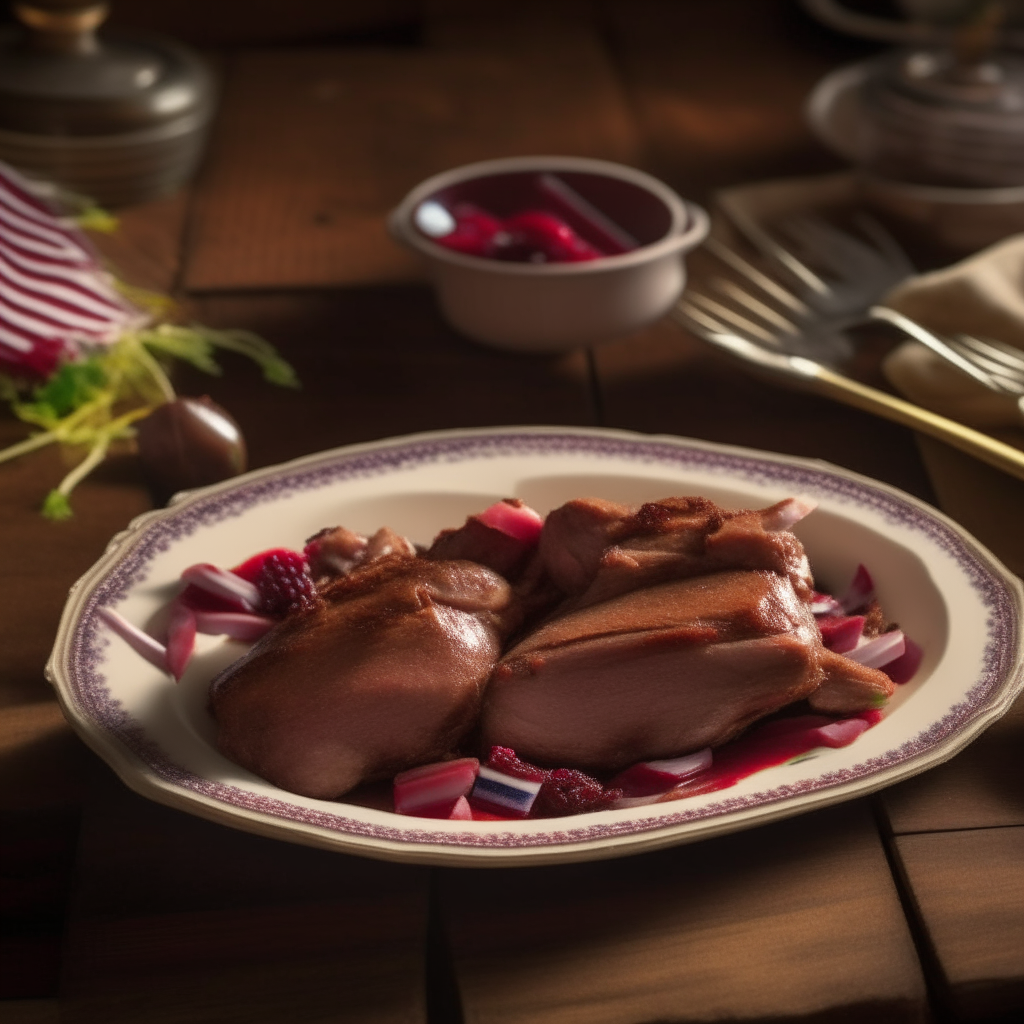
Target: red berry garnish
568,791
284,584
504,760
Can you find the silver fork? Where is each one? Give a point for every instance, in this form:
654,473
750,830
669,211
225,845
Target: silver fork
1004,363
861,271
753,334
814,323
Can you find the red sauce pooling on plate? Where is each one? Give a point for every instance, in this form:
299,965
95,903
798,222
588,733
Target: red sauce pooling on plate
772,744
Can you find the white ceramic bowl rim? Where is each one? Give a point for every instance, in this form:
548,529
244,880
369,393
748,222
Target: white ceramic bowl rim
689,222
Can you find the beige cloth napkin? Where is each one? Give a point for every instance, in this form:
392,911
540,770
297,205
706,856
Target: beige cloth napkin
982,295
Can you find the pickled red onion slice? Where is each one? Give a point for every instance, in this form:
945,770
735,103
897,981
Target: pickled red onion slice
237,625
223,584
878,652
433,790
651,777
841,633
902,669
825,604
181,638
518,521
860,591
142,643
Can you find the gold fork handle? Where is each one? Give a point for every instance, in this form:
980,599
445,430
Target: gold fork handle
973,442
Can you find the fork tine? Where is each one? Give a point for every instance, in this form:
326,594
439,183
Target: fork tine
754,233
1007,356
1010,380
756,277
731,317
758,308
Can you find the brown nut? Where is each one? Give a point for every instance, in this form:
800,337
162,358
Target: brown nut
189,442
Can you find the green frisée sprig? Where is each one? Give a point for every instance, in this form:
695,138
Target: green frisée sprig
93,402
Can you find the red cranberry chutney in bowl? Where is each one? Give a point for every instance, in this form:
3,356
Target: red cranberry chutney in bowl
545,254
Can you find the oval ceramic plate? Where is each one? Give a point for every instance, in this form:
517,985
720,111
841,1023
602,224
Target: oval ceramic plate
944,589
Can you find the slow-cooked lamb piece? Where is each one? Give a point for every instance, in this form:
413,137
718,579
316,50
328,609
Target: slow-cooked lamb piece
386,674
683,623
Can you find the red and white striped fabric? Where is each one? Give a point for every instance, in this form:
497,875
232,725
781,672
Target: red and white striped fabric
55,297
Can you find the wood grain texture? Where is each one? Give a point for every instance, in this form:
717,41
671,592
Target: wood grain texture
982,787
145,248
376,363
797,920
718,86
177,919
663,379
315,146
968,888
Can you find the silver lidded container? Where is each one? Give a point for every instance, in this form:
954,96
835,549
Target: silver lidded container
119,118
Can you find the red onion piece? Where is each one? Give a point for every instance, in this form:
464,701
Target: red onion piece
224,584
841,733
461,811
609,235
181,638
432,790
841,633
237,625
825,604
786,514
860,591
518,521
880,651
57,296
142,643
902,669
652,777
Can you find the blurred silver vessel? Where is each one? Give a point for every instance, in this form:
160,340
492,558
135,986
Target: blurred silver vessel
120,118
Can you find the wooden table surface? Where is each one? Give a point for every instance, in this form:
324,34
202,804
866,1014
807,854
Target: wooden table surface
908,906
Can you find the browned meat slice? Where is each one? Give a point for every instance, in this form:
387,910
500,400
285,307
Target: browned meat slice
593,550
386,675
655,673
476,541
849,687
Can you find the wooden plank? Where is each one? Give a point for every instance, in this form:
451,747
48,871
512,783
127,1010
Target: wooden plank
179,919
794,920
375,363
718,86
314,146
982,787
969,892
145,248
664,380
37,850
30,1011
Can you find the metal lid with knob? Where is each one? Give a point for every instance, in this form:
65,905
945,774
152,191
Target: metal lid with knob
118,117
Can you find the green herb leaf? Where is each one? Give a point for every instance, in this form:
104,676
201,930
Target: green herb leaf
56,506
71,386
185,343
275,369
